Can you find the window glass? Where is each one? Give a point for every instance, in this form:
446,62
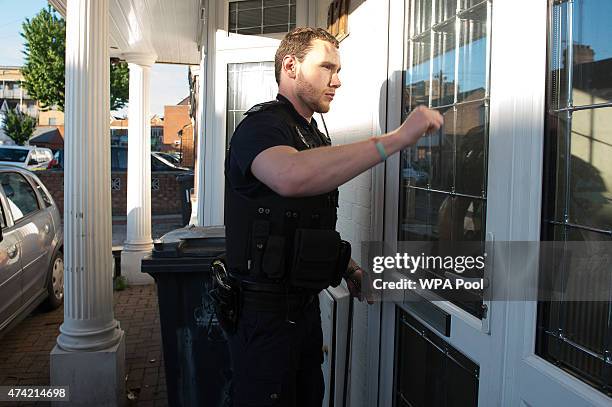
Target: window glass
247,84
45,197
251,17
443,177
16,155
577,199
2,218
19,194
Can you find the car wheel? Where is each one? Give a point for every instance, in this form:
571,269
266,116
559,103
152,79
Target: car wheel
55,286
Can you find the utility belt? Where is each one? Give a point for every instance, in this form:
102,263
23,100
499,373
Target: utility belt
316,266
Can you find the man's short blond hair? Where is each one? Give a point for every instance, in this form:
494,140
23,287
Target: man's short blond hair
298,42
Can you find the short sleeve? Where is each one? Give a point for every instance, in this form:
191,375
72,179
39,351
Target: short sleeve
254,135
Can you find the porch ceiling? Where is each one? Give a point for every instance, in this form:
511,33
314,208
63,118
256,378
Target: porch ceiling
172,29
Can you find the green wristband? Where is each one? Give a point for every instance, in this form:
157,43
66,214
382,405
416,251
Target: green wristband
381,150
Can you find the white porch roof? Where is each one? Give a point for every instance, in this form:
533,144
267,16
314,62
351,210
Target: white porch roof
171,29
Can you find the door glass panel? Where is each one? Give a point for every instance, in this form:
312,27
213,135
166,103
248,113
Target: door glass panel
247,84
443,84
591,168
592,52
443,177
473,50
577,205
471,141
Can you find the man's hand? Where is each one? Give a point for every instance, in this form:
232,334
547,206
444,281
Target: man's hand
356,281
419,122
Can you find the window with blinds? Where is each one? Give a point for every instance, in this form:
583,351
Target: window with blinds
247,84
443,176
577,335
252,17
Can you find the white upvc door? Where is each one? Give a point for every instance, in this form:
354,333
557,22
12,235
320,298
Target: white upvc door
480,340
502,343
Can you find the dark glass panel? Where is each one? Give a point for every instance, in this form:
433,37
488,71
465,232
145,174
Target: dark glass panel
591,168
470,140
472,55
558,75
443,153
443,85
249,31
592,52
420,213
232,18
249,4
250,18
276,16
269,29
271,3
468,220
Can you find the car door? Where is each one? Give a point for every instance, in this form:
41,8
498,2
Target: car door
10,268
35,231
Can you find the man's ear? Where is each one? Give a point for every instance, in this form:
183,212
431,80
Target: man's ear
289,66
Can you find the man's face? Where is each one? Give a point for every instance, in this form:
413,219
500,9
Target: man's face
317,76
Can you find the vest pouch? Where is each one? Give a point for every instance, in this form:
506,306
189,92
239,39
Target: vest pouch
259,236
273,262
315,258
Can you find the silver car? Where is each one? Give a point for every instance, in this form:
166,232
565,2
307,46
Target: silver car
31,247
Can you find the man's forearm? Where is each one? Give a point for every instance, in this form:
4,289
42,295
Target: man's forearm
320,170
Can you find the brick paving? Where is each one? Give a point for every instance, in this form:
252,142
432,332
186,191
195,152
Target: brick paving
24,351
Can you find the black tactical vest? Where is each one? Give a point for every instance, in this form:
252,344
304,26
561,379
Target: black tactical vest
260,233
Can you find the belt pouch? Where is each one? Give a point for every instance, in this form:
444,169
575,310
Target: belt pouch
315,258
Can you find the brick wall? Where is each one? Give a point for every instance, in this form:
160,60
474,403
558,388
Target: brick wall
165,199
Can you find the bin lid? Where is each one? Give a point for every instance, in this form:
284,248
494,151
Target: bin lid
190,241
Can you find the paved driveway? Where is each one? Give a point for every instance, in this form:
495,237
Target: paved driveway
24,352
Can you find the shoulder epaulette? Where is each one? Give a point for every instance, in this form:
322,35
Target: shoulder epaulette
263,106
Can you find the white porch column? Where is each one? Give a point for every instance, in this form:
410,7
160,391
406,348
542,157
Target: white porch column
139,242
90,353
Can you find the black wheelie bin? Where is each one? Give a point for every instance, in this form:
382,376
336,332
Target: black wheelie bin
196,355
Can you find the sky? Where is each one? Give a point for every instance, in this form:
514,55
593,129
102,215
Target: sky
169,83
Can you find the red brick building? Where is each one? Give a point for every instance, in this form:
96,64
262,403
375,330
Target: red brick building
178,131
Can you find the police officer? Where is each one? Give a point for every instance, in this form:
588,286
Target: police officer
282,176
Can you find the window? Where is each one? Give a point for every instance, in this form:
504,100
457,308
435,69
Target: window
577,335
443,177
252,17
52,121
44,195
247,84
19,194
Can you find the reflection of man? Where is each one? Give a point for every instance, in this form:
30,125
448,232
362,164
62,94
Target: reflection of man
281,196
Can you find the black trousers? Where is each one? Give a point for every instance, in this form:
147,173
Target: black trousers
276,362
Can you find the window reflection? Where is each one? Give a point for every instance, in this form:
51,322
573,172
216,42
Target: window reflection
591,168
472,53
470,136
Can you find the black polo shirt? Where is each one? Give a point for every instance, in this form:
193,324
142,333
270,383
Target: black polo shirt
256,133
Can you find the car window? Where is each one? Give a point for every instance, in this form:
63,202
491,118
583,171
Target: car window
19,194
45,197
16,155
2,218
158,165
